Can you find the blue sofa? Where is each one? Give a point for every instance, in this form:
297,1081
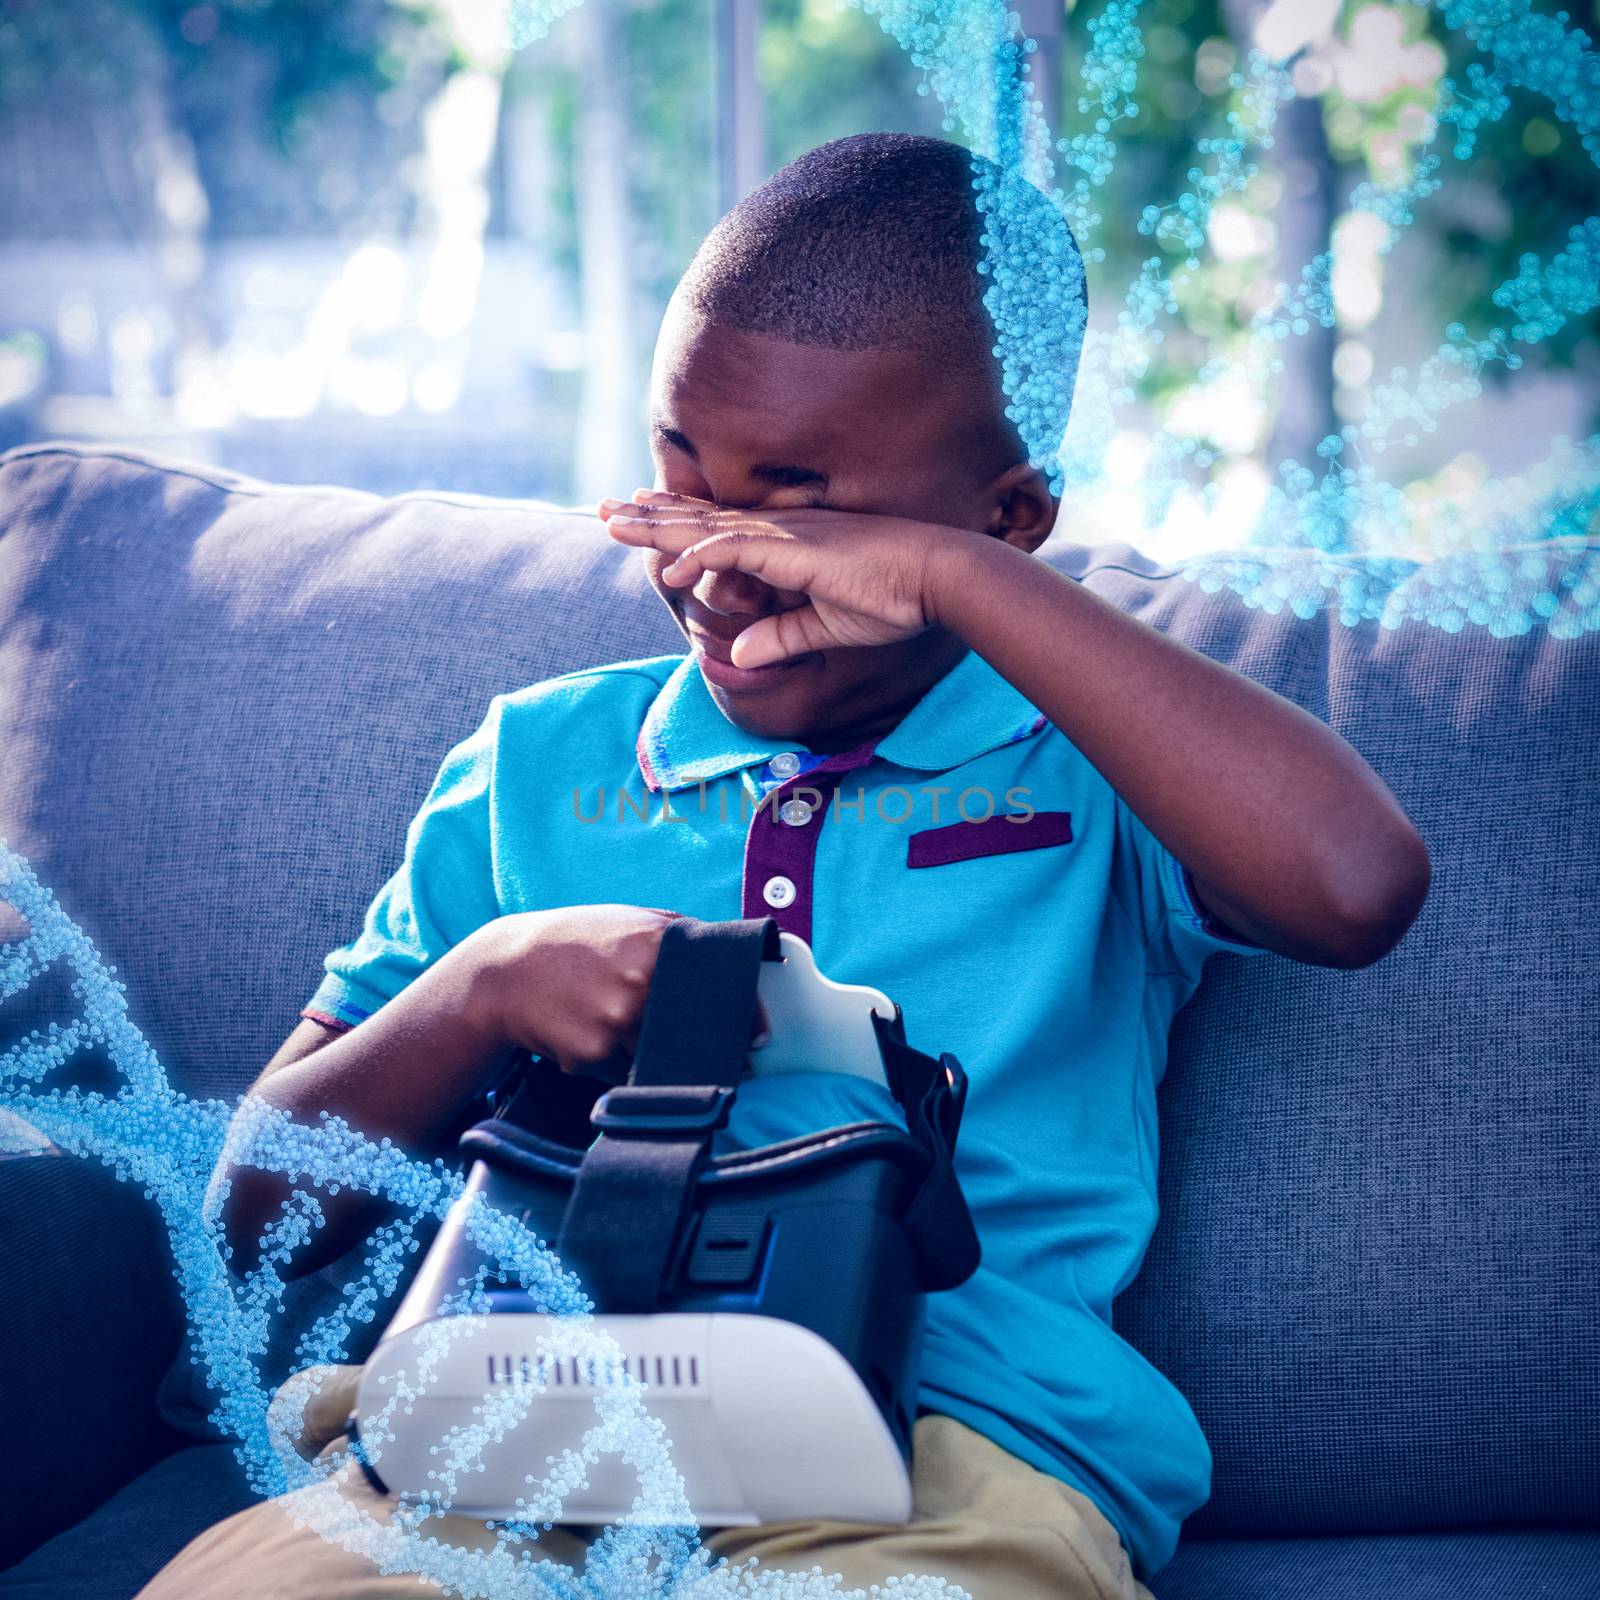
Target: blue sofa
1377,1272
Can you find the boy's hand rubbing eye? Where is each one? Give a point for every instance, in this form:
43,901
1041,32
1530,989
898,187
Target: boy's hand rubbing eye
871,580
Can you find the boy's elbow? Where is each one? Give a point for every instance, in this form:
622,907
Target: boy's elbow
244,1211
256,1199
1377,898
256,1211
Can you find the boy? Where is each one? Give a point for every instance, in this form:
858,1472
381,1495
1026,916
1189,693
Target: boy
1023,814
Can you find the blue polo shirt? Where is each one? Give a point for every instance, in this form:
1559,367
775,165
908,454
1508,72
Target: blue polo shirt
973,865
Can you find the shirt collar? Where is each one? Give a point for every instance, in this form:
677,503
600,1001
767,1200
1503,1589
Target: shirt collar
685,738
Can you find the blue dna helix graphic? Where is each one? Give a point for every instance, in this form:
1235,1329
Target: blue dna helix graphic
151,1135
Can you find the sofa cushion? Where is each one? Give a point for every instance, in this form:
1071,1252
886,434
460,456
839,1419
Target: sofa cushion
1504,1564
114,1553
1380,1189
212,817
1374,1275
78,1249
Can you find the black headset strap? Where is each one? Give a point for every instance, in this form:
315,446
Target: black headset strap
701,1009
933,1094
633,1191
635,1186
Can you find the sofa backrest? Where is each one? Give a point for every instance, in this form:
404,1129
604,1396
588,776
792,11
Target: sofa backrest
1375,1275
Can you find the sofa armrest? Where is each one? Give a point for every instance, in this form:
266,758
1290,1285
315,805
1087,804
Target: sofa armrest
89,1321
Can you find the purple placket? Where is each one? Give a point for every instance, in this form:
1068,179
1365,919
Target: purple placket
780,857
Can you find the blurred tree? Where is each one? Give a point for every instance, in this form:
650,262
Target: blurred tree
265,92
170,125
1309,182
828,71
609,433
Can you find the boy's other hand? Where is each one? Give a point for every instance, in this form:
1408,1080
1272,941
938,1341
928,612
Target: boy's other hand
868,577
570,984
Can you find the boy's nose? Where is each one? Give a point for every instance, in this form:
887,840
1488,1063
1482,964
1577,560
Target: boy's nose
731,594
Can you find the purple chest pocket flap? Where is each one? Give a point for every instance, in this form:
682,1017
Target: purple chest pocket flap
994,836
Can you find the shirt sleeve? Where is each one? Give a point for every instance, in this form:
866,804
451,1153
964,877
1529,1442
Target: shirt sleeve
1178,935
443,889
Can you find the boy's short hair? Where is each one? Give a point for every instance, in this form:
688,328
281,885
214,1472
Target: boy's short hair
872,242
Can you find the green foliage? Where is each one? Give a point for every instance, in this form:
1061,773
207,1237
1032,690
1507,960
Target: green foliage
1528,183
1182,95
828,72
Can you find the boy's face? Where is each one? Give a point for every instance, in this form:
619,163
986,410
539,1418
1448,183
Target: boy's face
753,422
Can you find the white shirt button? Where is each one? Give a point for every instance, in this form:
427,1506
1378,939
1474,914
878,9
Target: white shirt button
785,764
778,891
797,813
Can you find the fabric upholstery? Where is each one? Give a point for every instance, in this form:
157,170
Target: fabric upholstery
115,1552
1503,1564
1381,1189
86,1330
1375,1276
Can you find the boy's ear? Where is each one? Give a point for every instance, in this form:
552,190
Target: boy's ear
1022,510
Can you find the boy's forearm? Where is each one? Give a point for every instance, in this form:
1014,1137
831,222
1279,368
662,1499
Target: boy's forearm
1294,839
404,1073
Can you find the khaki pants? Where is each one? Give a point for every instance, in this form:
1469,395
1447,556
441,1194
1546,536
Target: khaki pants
981,1520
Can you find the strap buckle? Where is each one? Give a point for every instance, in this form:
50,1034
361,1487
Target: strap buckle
685,1111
